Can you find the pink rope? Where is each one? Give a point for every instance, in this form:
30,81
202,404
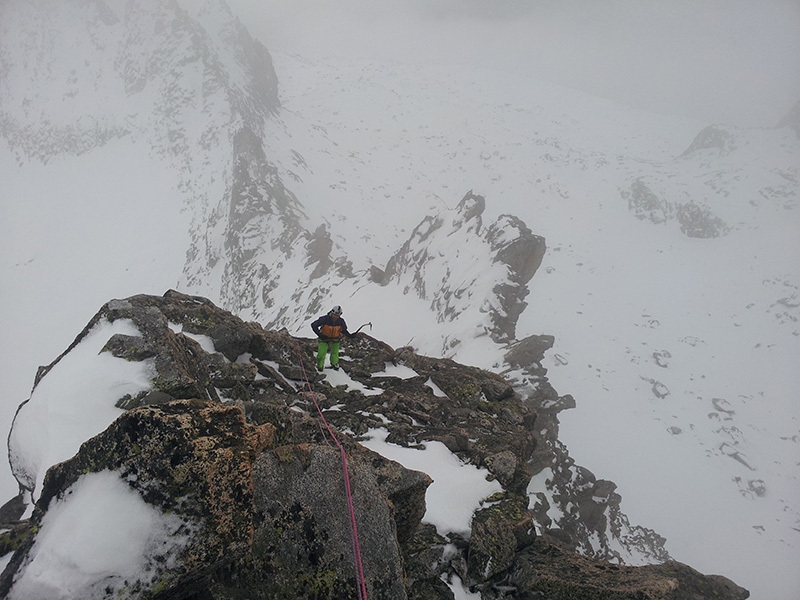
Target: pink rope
361,584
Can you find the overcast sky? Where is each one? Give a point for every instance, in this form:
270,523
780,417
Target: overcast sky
731,61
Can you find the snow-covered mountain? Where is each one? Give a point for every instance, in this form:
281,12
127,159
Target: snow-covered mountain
148,145
670,281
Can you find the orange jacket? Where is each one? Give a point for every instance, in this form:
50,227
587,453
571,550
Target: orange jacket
329,329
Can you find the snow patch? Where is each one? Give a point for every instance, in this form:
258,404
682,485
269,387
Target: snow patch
337,378
537,486
399,371
100,536
206,343
75,401
437,391
460,591
458,489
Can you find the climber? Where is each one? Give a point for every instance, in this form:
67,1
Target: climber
329,329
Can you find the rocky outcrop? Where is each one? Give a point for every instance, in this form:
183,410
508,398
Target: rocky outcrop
438,261
466,271
250,500
645,204
694,220
565,498
307,529
699,222
227,449
191,459
259,208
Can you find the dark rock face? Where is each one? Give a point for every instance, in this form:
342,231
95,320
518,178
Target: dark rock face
529,351
517,247
260,207
566,498
229,443
299,494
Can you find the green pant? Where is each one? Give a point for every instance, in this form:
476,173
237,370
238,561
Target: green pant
322,350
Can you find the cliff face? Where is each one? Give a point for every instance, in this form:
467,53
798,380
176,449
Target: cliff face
242,486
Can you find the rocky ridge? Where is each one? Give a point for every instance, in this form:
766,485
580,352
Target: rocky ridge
228,443
438,260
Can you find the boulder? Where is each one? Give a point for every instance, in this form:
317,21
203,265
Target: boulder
498,532
305,527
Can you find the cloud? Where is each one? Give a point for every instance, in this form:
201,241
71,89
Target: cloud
714,60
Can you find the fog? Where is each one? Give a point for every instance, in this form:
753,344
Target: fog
718,61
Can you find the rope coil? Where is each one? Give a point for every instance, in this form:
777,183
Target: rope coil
361,584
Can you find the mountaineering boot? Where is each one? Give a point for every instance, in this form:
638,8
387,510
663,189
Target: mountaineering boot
335,367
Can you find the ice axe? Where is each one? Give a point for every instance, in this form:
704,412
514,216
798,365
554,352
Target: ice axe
362,327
